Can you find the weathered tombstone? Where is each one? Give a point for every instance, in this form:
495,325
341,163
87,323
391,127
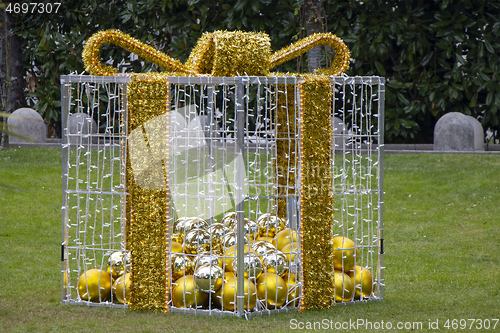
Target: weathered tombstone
457,132
83,126
27,122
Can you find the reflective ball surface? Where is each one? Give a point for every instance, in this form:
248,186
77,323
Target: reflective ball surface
121,289
272,289
196,240
343,287
275,262
181,265
363,281
344,251
270,225
252,266
230,290
208,278
94,285
184,294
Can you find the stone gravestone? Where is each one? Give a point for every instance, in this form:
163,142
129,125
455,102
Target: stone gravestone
27,122
82,125
457,132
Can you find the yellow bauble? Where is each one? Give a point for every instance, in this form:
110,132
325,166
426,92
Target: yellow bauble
181,265
208,278
217,232
275,262
363,281
229,255
290,252
231,239
230,290
292,286
186,224
270,225
217,297
184,294
344,251
94,285
272,289
179,238
252,266
116,264
343,287
177,247
121,289
196,240
205,258
285,237
268,239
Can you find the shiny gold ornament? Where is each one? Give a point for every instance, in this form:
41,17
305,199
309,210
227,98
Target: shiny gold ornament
270,225
261,248
266,238
116,264
206,258
363,281
208,278
218,53
275,262
230,254
292,298
290,252
196,240
344,251
284,237
272,289
94,285
181,265
217,232
184,225
184,294
230,290
177,247
229,220
252,266
250,230
179,238
121,289
231,238
343,287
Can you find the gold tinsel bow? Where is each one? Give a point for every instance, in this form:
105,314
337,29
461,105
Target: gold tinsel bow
219,53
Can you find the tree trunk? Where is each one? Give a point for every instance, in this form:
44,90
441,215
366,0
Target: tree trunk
16,91
313,17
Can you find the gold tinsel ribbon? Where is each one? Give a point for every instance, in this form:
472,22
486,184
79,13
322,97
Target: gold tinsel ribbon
224,53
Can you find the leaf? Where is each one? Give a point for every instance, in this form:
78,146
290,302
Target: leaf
380,68
488,46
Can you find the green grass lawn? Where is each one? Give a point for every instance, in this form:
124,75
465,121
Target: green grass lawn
442,244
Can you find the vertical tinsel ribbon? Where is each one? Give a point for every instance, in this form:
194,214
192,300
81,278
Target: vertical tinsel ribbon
148,204
316,195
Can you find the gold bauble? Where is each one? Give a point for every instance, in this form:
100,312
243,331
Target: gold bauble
121,289
181,265
196,240
229,220
217,232
179,238
231,238
275,262
205,258
208,278
229,255
272,289
343,287
284,237
186,224
217,297
292,286
252,266
184,294
250,230
344,251
177,247
94,285
266,238
363,281
116,264
230,290
270,225
261,248
290,252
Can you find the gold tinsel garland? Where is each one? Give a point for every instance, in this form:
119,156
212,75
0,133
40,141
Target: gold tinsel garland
147,208
223,53
316,196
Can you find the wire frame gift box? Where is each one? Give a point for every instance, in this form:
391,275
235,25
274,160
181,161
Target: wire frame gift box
222,195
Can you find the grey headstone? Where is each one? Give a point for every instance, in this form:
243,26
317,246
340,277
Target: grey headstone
457,132
29,123
83,126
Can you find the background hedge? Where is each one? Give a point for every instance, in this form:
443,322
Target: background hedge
437,56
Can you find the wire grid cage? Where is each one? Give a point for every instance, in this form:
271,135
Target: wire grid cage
223,143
